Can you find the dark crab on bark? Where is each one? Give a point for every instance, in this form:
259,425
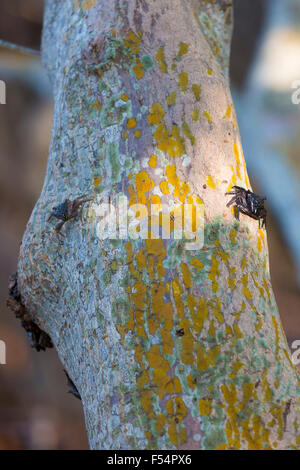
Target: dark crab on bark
249,204
67,210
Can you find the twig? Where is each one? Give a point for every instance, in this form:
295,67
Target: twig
16,47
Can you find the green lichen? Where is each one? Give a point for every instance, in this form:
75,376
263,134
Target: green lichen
147,62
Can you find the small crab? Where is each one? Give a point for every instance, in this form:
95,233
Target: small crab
67,210
249,204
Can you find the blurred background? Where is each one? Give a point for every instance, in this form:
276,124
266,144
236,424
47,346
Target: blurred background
36,412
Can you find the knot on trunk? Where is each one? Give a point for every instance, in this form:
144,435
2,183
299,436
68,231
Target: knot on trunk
38,338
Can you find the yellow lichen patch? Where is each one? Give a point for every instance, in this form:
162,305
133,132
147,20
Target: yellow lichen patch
88,4
196,263
177,436
160,57
246,291
152,162
201,316
208,116
231,427
195,114
153,325
230,395
170,142
138,133
228,112
164,187
161,421
173,386
132,41
143,379
191,301
268,392
97,181
138,69
211,329
217,311
124,97
266,287
237,169
245,173
147,403
186,275
133,196
97,105
276,333
161,381
155,359
210,182
206,358
205,407
223,255
237,366
237,331
139,296
196,89
183,81
182,192
131,123
125,135
171,175
260,289
156,114
167,342
233,234
171,98
190,381
156,203
260,239
183,49
156,247
243,263
262,235
187,132
209,71
232,181
214,273
248,394
236,153
231,282
176,288
176,408
238,158
141,260
143,182
167,314
259,243
129,251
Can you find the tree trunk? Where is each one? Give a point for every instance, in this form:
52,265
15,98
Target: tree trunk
170,348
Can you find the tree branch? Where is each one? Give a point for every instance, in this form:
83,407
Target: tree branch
15,47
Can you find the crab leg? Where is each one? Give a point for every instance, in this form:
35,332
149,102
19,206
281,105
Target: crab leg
231,200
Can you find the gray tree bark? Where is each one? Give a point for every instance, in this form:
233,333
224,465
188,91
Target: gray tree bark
169,348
